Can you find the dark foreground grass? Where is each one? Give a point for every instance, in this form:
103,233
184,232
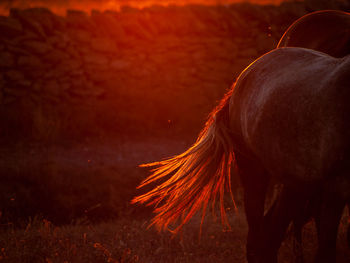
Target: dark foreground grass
129,240
78,188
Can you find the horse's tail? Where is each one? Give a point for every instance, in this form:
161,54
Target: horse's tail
195,178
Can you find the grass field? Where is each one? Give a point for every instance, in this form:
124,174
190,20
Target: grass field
71,204
128,240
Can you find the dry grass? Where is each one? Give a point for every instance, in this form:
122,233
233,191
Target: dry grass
129,240
124,240
68,188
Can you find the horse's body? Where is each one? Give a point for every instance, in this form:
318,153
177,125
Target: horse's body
326,31
297,132
287,117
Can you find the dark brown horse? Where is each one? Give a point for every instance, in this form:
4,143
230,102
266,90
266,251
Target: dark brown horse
287,118
329,32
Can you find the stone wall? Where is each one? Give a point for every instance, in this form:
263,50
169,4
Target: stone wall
155,70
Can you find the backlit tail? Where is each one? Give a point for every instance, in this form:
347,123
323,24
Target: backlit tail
195,179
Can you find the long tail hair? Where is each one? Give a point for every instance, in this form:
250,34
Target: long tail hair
195,179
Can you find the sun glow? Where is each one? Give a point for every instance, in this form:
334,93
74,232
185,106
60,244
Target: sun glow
60,7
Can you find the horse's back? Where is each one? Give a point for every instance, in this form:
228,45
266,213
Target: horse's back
326,31
290,108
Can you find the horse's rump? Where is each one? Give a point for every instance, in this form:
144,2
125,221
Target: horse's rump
291,108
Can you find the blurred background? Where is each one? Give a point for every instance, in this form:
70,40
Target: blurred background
90,89
60,7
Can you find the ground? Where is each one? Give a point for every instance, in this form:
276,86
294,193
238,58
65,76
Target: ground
101,225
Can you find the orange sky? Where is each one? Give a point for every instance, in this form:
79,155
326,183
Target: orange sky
60,6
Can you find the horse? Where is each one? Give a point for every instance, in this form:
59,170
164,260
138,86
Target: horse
327,31
286,119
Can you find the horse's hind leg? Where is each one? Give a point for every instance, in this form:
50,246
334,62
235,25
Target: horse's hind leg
298,240
298,223
336,194
277,220
254,180
311,210
348,233
331,212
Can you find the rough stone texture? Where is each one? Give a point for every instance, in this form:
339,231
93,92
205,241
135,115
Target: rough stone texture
30,62
119,64
6,60
36,47
156,69
10,27
14,75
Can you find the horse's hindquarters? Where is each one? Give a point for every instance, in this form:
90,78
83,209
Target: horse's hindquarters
291,114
